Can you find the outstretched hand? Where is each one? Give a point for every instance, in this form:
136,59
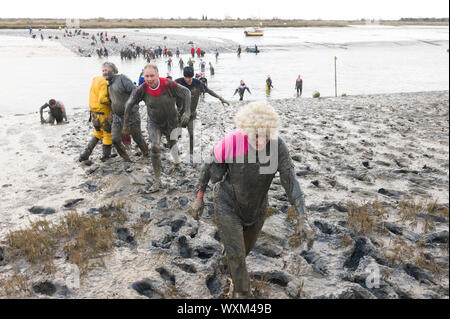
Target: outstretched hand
304,231
197,208
185,119
225,102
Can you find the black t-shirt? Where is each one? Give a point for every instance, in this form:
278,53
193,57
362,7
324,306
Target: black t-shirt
196,84
196,88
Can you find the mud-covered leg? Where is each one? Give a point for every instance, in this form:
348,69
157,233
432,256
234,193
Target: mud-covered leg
136,133
232,236
106,152
107,140
251,233
155,136
51,119
116,135
191,138
88,150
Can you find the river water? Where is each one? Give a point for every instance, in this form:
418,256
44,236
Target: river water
370,59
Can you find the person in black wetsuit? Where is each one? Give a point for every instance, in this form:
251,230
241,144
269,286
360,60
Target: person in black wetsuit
196,87
242,173
57,112
241,89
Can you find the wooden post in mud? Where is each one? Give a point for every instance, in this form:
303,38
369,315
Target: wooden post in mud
335,77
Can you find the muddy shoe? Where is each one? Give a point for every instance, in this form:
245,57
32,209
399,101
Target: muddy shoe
127,146
242,295
84,156
156,187
229,288
106,152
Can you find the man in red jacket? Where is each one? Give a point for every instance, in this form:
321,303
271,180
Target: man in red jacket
193,52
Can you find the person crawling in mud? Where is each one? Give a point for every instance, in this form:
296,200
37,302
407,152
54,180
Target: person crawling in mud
241,179
57,112
160,95
197,88
120,88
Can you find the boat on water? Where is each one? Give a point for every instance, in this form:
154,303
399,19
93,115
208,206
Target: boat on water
254,33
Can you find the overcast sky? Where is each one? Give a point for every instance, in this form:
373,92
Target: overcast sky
287,9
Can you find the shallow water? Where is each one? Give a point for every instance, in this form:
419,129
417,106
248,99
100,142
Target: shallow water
371,59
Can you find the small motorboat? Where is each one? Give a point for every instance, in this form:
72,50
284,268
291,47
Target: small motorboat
254,33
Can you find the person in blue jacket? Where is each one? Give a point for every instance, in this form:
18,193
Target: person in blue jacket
141,78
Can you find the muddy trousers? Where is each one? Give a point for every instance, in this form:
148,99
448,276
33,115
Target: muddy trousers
299,91
238,241
84,156
52,119
135,130
190,128
155,138
103,132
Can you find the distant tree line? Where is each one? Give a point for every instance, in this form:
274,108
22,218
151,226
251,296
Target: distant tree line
424,19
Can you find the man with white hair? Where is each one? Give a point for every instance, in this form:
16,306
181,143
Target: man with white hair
120,88
242,180
160,95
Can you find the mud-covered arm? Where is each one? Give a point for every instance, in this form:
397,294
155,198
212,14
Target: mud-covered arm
246,88
212,93
63,110
217,96
237,90
288,178
133,101
182,93
211,171
41,110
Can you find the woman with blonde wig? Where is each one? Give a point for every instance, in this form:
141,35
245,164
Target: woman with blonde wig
242,167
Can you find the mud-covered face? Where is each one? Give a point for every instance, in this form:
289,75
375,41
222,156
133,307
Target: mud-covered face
257,141
151,77
107,73
188,80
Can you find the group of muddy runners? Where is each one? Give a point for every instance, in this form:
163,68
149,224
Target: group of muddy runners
241,166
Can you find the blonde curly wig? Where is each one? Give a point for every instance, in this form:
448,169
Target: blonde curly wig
257,116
